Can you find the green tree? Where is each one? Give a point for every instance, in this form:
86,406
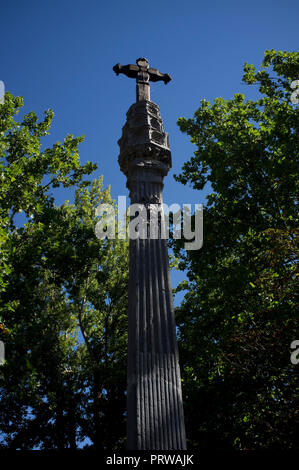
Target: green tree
237,319
63,304
27,172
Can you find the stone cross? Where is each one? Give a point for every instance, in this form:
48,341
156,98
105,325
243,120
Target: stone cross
155,415
143,75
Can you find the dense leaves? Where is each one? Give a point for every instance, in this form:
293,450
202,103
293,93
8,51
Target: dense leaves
27,172
63,299
238,317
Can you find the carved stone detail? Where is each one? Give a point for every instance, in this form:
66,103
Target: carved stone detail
143,74
155,417
144,144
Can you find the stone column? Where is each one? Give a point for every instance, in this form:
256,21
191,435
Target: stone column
155,418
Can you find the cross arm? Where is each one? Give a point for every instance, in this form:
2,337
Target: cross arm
156,75
130,70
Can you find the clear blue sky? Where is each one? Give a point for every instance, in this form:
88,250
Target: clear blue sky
60,54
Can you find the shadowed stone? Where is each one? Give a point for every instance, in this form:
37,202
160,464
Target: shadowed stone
155,417
143,74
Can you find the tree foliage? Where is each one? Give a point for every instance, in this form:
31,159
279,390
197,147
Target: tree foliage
238,317
63,299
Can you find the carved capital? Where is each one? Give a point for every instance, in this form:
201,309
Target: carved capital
144,143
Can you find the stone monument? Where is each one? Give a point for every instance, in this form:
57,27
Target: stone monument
155,417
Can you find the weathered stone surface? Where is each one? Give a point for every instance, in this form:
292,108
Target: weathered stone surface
144,144
143,74
155,418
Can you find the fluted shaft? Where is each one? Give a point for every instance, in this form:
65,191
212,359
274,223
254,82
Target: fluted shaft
155,418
